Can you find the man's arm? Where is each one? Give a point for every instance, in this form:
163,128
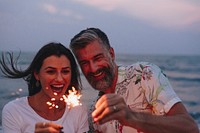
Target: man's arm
177,119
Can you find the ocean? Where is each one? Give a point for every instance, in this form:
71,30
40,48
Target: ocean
183,73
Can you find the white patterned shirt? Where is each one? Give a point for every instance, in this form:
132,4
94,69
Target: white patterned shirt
145,88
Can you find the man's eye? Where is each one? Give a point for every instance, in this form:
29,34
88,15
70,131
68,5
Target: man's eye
83,63
98,58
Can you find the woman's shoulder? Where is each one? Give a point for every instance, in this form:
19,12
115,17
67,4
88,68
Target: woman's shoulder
15,104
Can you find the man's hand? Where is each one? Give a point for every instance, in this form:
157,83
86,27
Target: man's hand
111,107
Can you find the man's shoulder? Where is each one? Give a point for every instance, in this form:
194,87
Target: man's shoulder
137,65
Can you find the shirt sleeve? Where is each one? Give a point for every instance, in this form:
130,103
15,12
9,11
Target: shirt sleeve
10,119
159,92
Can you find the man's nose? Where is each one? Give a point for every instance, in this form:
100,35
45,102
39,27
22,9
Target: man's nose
93,67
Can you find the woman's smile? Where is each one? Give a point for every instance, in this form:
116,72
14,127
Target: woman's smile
57,88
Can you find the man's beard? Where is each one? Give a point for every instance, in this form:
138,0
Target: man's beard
104,83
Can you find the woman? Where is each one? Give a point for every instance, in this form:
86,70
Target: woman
51,74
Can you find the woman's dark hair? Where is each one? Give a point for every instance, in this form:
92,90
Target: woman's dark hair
47,50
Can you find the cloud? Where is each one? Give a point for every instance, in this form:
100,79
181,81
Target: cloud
49,8
167,13
55,10
107,5
70,13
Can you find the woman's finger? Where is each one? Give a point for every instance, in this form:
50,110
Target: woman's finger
47,127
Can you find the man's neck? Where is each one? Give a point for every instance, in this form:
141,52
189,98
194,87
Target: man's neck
112,88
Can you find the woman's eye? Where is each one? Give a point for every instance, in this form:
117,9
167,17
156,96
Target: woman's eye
65,71
50,71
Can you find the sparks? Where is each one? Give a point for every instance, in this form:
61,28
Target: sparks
72,100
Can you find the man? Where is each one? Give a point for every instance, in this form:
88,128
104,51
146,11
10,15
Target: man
133,99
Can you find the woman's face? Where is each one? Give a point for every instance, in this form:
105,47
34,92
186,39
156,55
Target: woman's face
55,76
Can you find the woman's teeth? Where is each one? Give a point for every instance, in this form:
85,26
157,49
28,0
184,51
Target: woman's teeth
57,88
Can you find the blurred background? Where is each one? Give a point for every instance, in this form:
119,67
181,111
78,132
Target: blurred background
133,26
164,32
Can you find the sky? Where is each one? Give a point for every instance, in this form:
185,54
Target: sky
169,27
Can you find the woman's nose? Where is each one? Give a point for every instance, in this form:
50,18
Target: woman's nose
59,77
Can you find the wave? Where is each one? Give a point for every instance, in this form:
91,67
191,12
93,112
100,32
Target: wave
184,79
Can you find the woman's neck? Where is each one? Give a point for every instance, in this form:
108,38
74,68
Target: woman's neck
39,104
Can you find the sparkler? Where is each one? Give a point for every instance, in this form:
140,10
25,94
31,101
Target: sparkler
72,99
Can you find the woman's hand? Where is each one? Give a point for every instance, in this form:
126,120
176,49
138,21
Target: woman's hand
48,127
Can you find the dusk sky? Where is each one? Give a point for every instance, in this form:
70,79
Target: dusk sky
133,26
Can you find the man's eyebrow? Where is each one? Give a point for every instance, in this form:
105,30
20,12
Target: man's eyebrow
100,54
83,60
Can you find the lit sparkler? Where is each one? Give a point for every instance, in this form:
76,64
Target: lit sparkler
72,99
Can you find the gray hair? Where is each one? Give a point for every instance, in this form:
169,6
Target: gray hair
87,36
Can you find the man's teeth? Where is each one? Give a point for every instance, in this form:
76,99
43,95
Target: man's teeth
98,74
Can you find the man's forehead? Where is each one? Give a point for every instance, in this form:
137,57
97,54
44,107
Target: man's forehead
90,51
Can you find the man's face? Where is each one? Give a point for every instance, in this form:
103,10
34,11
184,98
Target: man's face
97,64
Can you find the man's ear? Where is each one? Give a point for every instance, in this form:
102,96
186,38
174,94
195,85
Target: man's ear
112,53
